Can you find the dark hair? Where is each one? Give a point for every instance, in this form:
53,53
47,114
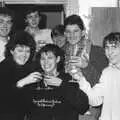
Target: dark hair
74,19
7,12
21,38
56,51
43,17
112,38
31,10
58,30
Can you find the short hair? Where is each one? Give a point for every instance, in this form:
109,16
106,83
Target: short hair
57,51
7,12
58,30
74,19
30,10
112,38
21,38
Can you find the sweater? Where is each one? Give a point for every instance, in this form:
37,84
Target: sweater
61,103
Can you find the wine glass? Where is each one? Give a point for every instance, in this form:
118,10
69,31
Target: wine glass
40,83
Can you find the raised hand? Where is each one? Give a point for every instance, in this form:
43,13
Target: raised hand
52,80
31,78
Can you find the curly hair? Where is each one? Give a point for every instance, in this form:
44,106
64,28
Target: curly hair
7,12
112,38
20,38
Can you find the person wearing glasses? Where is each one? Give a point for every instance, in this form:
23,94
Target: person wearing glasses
6,23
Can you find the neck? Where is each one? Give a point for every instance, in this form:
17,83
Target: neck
32,30
53,73
4,39
118,65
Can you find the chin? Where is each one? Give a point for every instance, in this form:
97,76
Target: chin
20,63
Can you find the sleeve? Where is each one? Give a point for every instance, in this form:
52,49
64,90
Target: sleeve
76,98
96,94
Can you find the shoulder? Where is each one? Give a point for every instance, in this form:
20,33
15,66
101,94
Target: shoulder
47,30
108,71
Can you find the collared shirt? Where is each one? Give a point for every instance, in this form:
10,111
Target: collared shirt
106,92
2,50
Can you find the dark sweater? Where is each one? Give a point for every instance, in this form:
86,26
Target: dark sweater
11,100
63,103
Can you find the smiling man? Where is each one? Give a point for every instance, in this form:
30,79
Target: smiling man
6,23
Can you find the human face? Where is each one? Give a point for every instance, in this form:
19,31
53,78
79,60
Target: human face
73,34
5,25
59,40
21,54
113,53
49,62
33,19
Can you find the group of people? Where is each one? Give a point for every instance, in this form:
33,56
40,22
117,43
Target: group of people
57,74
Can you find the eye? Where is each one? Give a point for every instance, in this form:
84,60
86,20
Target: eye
9,22
50,57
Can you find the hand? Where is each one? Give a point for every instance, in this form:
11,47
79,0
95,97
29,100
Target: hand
51,80
78,61
31,78
78,75
84,85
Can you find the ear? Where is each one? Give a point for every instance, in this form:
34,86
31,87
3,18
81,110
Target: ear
26,20
11,52
83,33
58,59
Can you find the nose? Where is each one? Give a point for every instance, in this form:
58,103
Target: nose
110,50
4,24
25,53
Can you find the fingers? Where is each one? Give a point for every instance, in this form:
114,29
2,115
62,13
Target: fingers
75,61
36,75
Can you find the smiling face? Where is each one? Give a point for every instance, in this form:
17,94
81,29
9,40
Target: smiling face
33,19
49,62
21,54
5,25
73,33
113,53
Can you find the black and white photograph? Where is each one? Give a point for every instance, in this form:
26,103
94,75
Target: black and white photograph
59,59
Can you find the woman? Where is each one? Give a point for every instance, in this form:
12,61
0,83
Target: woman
17,65
56,97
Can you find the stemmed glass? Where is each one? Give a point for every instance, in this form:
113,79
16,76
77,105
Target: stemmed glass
40,83
74,52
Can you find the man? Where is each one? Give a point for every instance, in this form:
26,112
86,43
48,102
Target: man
82,56
74,31
106,92
41,36
6,23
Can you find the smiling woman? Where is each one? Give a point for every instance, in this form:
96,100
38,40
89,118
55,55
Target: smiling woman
17,64
22,45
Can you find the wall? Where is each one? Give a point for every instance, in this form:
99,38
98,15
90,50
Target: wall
52,14
105,20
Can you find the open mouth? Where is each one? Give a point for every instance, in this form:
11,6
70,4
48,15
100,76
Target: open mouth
4,30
